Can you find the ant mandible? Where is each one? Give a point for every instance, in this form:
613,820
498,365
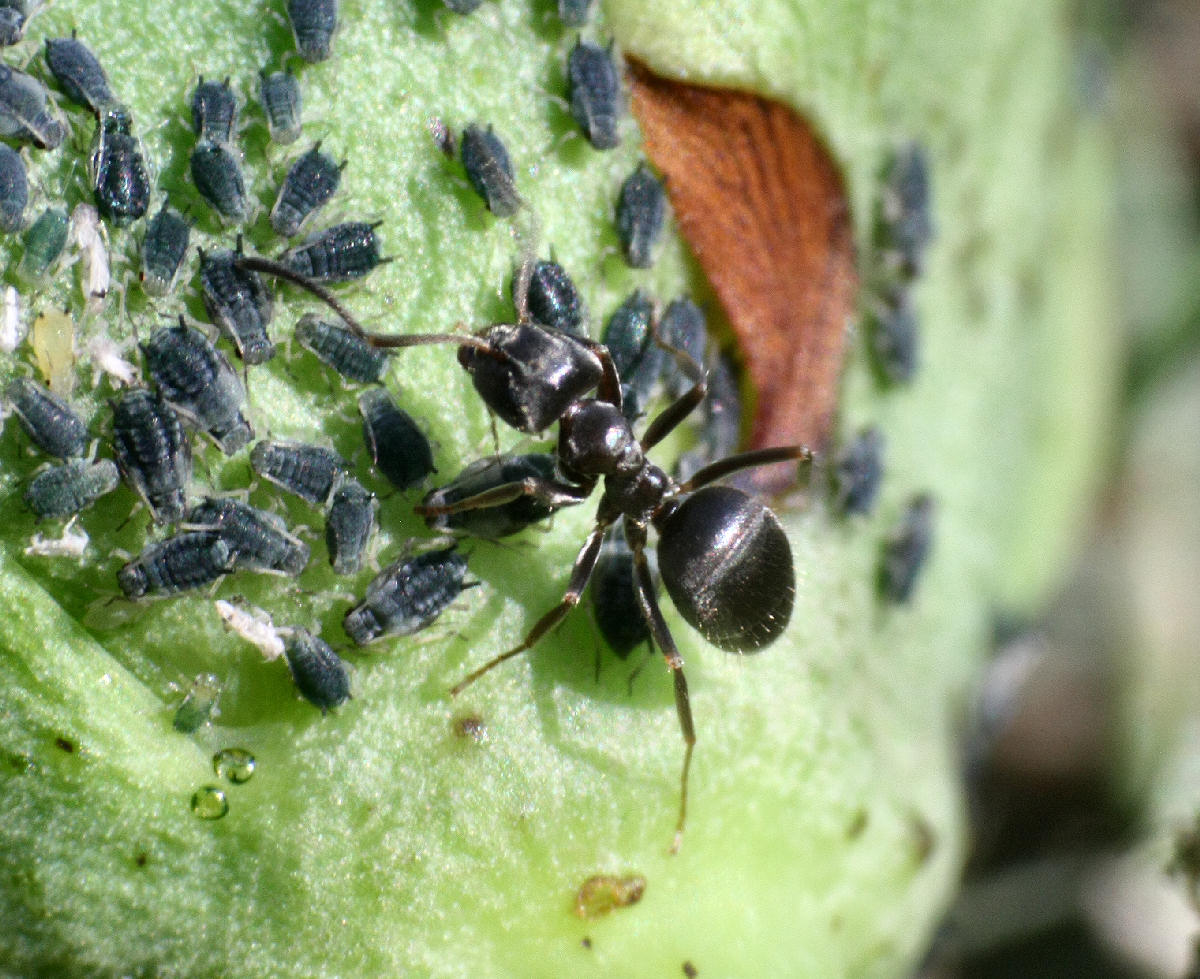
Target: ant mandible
722,555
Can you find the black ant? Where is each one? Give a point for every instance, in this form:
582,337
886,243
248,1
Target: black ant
722,555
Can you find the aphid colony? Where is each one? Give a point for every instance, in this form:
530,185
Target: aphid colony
722,555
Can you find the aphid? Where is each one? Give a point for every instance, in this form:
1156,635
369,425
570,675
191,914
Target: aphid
258,539
12,25
342,349
49,420
613,589
905,224
895,336
12,330
198,704
641,208
594,89
407,596
239,304
14,188
397,446
78,73
91,239
483,476
906,550
490,170
318,672
308,471
23,110
604,893
53,342
117,168
252,624
684,327
62,491
73,543
313,25
858,473
106,357
279,94
198,381
638,360
338,254
217,174
186,561
163,250
152,452
214,112
309,184
45,240
552,299
349,524
462,6
574,13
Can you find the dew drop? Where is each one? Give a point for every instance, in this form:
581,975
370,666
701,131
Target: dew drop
209,802
235,764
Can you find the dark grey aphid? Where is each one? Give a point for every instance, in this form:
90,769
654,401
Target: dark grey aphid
905,223
615,604
858,473
574,13
198,704
462,6
338,254
629,337
552,299
152,452
313,25
118,170
279,93
45,240
684,327
239,304
61,491
397,445
199,382
594,89
318,672
14,188
24,112
895,336
12,26
349,524
407,596
217,174
641,207
309,184
486,474
189,560
720,433
490,170
49,420
309,471
907,550
258,539
342,349
78,73
163,250
214,112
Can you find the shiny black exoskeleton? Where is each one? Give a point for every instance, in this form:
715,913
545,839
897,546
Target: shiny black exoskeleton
118,170
482,476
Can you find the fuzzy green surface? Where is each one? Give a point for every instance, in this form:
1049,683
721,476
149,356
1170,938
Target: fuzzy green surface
824,829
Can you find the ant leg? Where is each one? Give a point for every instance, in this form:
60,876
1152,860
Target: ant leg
658,628
685,404
745,460
609,388
542,490
585,561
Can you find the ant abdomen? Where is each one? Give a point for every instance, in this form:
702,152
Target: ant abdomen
727,565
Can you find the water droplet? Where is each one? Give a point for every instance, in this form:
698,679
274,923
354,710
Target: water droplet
235,764
209,802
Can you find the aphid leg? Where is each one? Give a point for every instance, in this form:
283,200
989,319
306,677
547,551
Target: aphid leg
745,460
545,491
636,536
585,561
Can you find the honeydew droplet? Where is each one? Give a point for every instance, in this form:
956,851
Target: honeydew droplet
209,802
235,764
